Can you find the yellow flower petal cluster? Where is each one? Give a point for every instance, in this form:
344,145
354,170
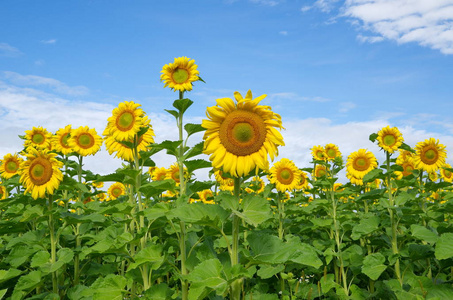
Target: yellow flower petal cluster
390,139
240,135
319,171
285,175
159,174
446,175
9,165
124,151
38,138
257,185
430,155
180,74
173,173
226,183
332,151
319,153
406,161
116,190
85,141
359,163
303,182
3,192
59,141
206,196
40,173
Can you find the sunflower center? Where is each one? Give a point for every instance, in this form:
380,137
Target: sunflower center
285,176
116,192
86,140
361,164
389,140
11,167
242,132
331,153
40,171
180,75
125,121
38,138
429,157
64,140
320,172
175,176
408,170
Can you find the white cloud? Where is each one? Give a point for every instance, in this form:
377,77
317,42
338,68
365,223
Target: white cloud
369,39
7,50
428,23
265,2
295,97
325,5
38,81
51,41
40,62
306,8
283,32
344,107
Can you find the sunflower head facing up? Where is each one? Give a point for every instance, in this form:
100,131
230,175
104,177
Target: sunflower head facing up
85,141
360,163
40,173
241,134
390,139
285,175
430,155
38,138
9,165
60,141
180,74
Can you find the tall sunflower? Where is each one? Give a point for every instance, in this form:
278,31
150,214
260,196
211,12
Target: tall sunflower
390,139
9,165
446,174
285,175
180,74
318,153
85,141
125,152
38,138
126,121
430,155
332,151
240,136
60,140
116,190
360,163
40,173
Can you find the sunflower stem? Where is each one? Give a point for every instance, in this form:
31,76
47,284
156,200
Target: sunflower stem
53,246
236,286
77,229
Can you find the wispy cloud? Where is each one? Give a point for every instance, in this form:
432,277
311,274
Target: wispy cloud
7,50
51,41
296,97
39,81
266,2
369,39
428,23
344,107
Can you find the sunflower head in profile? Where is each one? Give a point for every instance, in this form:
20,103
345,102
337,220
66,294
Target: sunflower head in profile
180,74
360,163
430,155
256,186
38,138
206,196
240,135
3,192
390,139
40,173
124,151
9,165
116,190
408,166
353,179
318,153
285,175
126,121
173,173
59,141
98,184
85,141
446,174
303,182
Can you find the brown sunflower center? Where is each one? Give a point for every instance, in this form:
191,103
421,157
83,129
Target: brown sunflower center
11,167
447,174
40,171
389,140
38,138
361,164
285,176
125,121
180,75
85,141
116,192
429,156
408,170
242,133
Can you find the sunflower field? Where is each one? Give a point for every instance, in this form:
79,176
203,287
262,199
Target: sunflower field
259,228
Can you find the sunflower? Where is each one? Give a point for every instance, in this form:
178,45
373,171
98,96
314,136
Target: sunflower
408,166
159,174
319,171
102,197
126,121
240,136
447,175
257,185
390,139
3,192
10,165
40,173
85,141
403,156
98,185
318,153
173,173
125,152
180,74
353,179
303,182
206,196
38,138
430,155
116,190
285,175
227,185
433,176
332,151
60,140
360,163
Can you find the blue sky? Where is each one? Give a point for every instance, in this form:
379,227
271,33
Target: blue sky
335,70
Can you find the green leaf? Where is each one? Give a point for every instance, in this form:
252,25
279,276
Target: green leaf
255,210
402,198
373,137
151,254
111,287
32,212
196,164
372,175
424,234
373,265
156,188
77,292
228,201
208,274
267,248
28,281
267,271
159,292
170,146
194,151
114,177
2,293
182,104
328,283
197,186
367,225
157,211
20,254
8,274
193,128
304,254
440,291
444,246
40,258
200,213
174,113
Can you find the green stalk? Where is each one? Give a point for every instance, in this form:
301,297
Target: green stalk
281,216
77,230
53,246
236,286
